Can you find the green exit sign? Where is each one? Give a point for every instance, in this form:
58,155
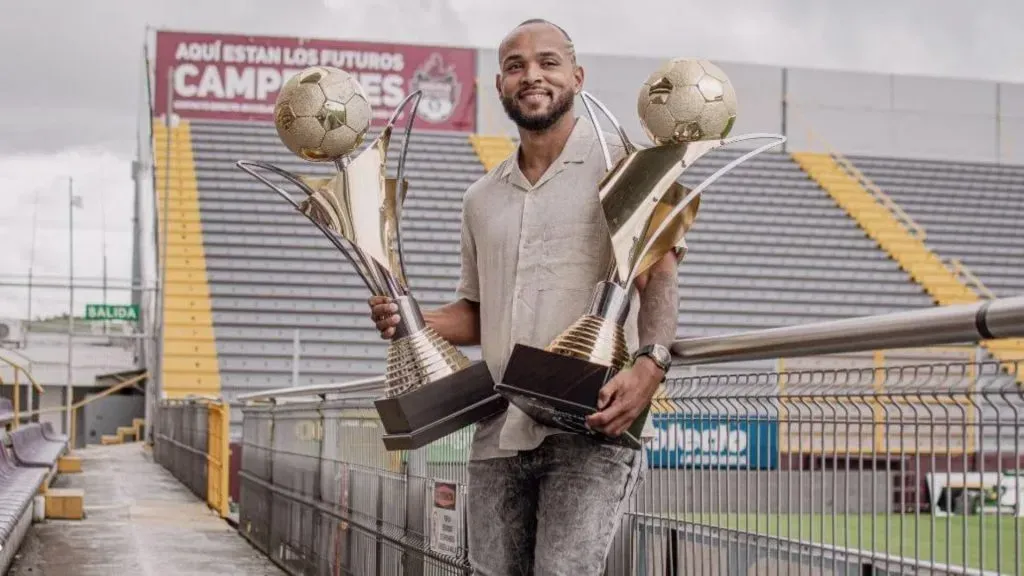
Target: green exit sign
112,312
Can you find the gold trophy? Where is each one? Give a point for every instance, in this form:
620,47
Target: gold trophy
322,115
687,107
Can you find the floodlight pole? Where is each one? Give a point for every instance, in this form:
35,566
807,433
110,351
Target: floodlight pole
69,390
31,267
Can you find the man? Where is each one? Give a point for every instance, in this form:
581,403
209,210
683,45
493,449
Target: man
534,245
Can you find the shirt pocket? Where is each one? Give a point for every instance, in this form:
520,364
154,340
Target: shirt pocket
574,256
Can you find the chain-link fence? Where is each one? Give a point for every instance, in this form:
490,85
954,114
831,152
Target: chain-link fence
903,470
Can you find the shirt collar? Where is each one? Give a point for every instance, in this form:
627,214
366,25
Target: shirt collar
577,148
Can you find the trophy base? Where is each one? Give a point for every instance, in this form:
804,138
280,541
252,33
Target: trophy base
561,391
432,411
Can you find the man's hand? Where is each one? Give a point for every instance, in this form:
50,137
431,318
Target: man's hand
383,312
625,397
457,322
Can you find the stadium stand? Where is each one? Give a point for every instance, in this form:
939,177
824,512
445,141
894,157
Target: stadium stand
491,149
189,359
971,211
906,240
769,249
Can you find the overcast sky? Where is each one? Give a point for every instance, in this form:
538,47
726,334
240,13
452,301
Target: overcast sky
71,81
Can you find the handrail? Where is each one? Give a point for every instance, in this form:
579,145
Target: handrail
109,390
19,369
954,324
960,268
928,327
364,388
74,407
106,392
28,374
193,398
915,229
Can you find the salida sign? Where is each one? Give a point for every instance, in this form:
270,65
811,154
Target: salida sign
226,77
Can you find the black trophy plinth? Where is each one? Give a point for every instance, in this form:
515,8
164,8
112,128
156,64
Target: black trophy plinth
561,391
434,410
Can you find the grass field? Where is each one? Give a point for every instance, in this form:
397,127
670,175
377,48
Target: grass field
925,537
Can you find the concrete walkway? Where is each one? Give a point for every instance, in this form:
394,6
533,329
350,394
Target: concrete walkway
139,520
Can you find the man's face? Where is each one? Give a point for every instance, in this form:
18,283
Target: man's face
538,78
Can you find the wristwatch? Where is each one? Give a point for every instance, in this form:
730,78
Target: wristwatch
656,352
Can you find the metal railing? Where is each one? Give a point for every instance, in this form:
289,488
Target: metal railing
844,163
897,469
191,440
960,270
915,229
20,370
73,440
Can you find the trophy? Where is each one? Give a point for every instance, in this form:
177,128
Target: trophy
322,115
686,107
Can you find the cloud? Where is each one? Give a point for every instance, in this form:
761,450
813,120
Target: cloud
81,83
38,210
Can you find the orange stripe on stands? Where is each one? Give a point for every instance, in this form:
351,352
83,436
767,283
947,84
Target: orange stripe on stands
189,348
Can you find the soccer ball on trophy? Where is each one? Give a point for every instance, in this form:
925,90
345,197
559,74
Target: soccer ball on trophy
322,114
686,100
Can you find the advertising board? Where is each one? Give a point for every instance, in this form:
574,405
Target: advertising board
715,441
234,77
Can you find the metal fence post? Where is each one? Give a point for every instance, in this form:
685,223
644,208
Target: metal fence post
416,505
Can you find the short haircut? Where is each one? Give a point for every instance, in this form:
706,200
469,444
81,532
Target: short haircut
568,39
543,21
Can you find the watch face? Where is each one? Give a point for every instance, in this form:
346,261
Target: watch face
661,354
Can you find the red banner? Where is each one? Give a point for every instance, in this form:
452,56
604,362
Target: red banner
227,77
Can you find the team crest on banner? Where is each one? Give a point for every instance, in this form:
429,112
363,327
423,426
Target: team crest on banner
441,89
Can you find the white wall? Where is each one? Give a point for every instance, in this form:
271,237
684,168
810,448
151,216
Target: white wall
878,114
91,358
1011,125
854,112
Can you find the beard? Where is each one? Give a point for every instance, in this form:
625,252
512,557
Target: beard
559,107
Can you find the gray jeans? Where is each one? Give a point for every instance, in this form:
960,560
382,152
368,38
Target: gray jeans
551,511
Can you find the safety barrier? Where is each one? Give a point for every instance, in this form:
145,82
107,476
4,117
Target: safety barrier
15,416
902,469
191,441
889,469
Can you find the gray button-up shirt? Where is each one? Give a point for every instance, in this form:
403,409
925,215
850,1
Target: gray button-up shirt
532,256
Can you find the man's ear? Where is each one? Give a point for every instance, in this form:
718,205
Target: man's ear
497,84
579,75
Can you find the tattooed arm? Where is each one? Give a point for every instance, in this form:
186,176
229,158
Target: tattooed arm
659,303
625,396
